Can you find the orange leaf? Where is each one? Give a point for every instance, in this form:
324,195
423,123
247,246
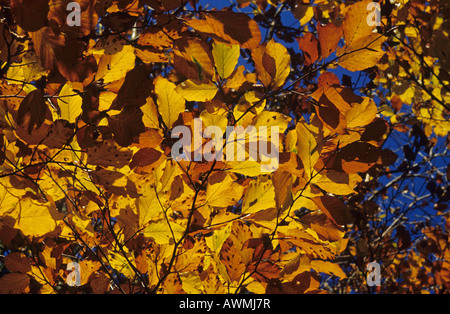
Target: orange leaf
329,36
310,46
230,27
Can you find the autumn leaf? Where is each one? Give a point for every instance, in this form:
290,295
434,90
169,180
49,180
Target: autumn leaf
361,114
260,195
329,37
14,283
163,232
70,104
229,27
29,211
170,103
272,62
196,91
309,144
362,47
309,45
225,58
222,190
114,67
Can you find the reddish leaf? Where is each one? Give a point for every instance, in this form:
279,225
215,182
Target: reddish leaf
310,46
329,36
145,157
17,262
14,283
334,208
127,125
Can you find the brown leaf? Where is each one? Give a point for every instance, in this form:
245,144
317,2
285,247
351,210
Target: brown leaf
135,90
45,40
375,130
170,5
330,115
328,79
31,15
14,283
334,208
388,157
302,283
72,63
99,283
89,18
195,53
231,258
17,262
396,103
33,111
360,151
107,154
145,157
127,125
59,134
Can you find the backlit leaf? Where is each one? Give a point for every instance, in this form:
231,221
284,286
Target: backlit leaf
196,91
170,103
225,58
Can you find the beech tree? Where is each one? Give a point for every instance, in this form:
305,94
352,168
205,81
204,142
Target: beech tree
172,146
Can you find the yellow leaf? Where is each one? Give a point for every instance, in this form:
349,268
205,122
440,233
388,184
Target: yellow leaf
196,91
215,118
260,195
83,224
291,141
218,237
121,264
34,218
250,102
150,114
114,67
70,104
282,59
361,114
248,168
309,144
355,24
149,205
362,53
86,269
362,47
170,103
225,58
164,232
328,268
191,282
106,99
304,13
42,278
9,196
272,118
223,190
